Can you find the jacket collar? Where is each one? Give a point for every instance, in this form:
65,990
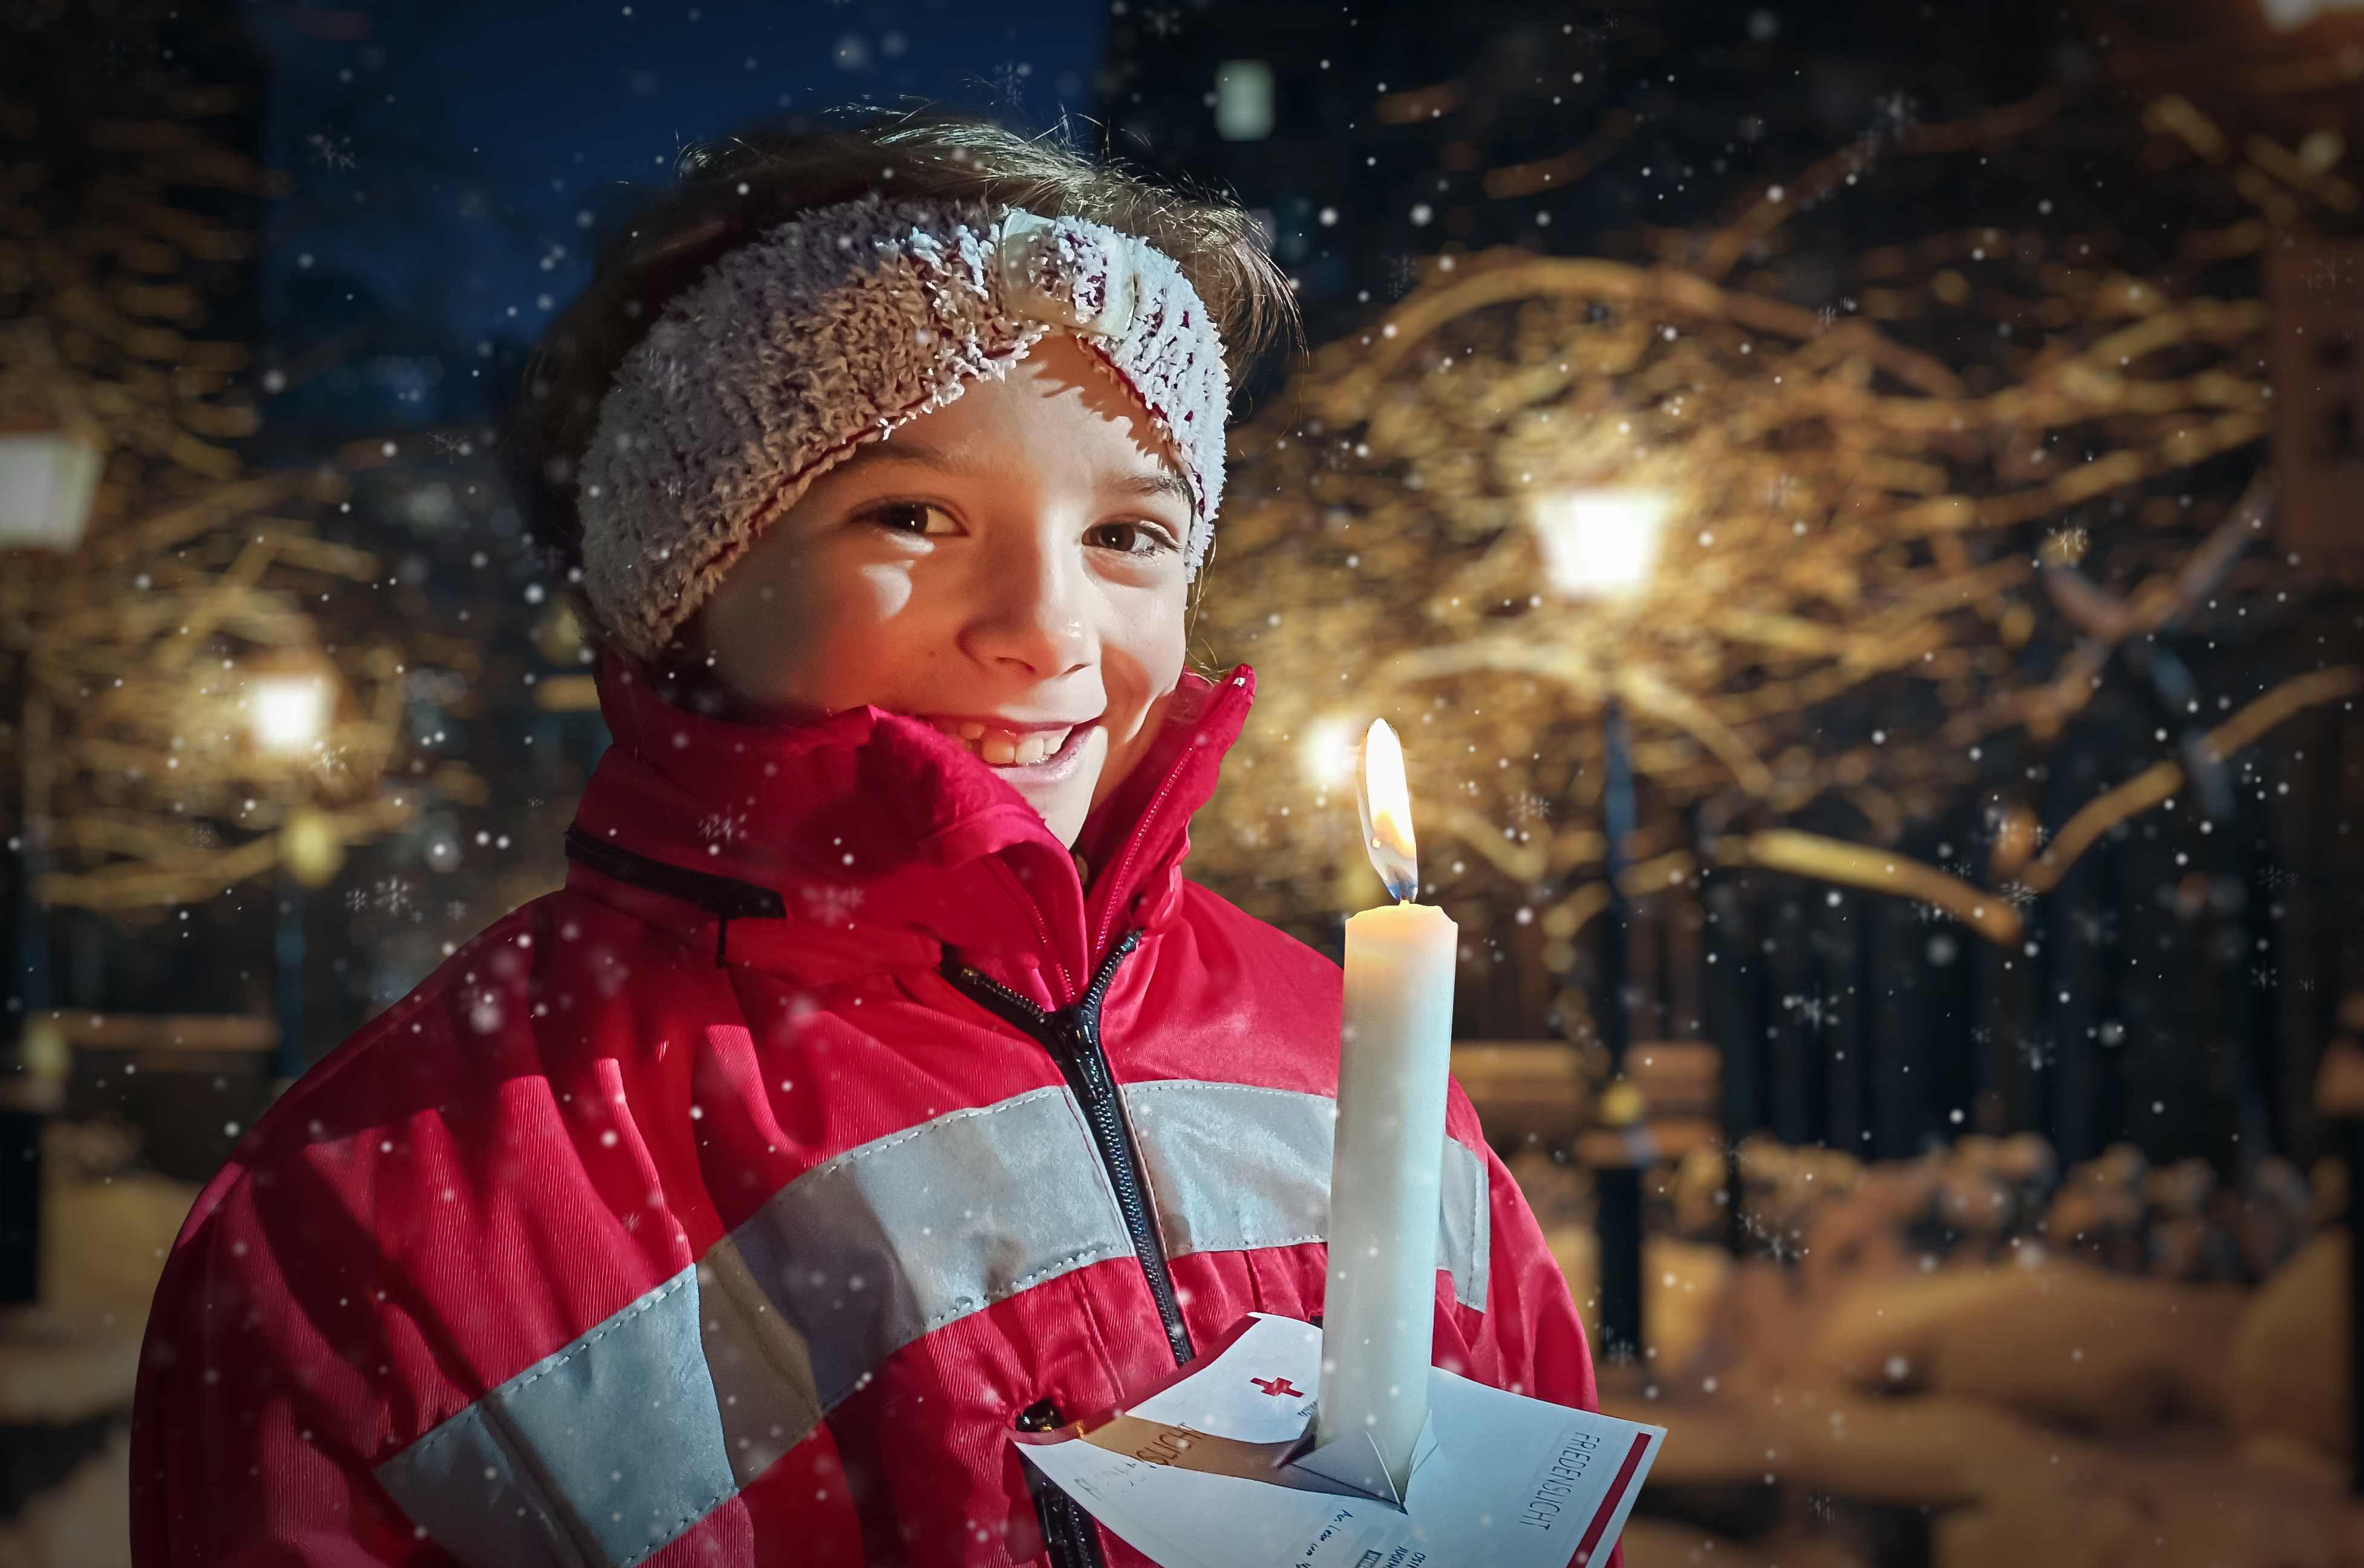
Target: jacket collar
867,839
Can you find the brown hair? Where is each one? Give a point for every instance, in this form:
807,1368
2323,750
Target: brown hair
728,192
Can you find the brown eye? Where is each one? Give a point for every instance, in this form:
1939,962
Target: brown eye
910,517
1140,539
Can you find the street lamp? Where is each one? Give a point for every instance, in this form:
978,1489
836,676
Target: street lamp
2288,15
48,481
1599,545
1243,100
288,714
1599,542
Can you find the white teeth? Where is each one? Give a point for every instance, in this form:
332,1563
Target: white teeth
1005,748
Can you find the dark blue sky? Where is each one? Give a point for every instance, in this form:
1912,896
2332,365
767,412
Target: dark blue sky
446,157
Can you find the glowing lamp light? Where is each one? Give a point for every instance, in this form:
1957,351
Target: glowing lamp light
1386,803
310,847
287,714
1599,544
2288,15
1328,753
47,479
1243,100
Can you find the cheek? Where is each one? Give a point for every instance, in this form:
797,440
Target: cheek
1147,644
810,629
879,592
857,634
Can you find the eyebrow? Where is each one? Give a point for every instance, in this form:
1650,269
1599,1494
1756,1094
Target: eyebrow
1166,481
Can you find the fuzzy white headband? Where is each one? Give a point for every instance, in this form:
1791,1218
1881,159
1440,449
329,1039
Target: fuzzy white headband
834,329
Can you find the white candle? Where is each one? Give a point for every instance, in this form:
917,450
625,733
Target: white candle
1378,1314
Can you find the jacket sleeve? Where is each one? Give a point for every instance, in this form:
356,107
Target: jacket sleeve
1530,1322
246,1450
1530,1312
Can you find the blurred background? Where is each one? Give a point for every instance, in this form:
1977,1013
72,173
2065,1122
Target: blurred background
1856,509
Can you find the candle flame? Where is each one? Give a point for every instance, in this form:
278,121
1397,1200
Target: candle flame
1387,812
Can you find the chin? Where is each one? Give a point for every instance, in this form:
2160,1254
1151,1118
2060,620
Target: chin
1066,802
1064,810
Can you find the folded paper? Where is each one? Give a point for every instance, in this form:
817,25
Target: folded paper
1216,1470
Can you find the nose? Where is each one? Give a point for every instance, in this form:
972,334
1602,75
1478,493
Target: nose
1030,613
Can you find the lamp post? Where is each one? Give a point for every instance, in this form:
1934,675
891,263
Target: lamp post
48,481
287,714
1600,545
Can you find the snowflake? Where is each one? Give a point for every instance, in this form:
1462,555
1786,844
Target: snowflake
1782,1244
724,827
456,910
392,894
2265,976
2278,879
1891,116
356,900
1163,21
2066,545
331,151
451,444
1529,810
1009,79
2018,894
1816,1012
832,905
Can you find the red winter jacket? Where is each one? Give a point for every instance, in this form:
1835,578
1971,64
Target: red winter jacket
732,1205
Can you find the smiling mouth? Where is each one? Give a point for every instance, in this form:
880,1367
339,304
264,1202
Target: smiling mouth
1004,747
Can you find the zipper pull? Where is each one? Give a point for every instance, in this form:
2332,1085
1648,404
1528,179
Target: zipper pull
1091,1072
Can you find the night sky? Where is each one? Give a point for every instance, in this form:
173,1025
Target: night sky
450,161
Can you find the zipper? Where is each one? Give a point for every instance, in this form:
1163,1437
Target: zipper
1071,1036
1121,872
1069,1539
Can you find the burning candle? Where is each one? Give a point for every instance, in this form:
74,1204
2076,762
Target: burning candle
1395,1052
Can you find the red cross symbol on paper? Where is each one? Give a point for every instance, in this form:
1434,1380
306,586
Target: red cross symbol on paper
1276,1387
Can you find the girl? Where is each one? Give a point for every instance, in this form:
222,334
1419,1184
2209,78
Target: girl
876,1086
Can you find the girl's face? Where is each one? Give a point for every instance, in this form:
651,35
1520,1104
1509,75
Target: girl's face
1008,568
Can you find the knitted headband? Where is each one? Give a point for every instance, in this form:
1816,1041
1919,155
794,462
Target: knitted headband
834,329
